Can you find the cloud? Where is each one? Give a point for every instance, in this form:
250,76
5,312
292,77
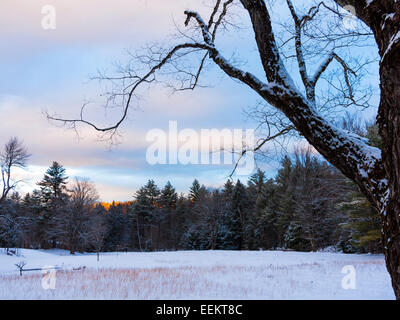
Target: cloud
48,142
122,169
87,22
48,69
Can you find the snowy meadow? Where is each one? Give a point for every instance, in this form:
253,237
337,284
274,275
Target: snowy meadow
194,275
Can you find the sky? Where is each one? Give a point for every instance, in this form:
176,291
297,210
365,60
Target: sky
50,70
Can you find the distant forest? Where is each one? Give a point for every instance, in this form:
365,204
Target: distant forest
307,206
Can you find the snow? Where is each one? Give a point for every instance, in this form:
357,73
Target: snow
393,40
388,16
321,67
206,33
195,275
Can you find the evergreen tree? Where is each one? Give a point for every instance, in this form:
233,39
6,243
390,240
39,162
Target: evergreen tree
240,209
181,213
147,198
363,224
147,210
265,232
54,182
194,192
117,228
308,191
256,183
53,202
227,190
286,185
227,234
167,223
38,219
168,197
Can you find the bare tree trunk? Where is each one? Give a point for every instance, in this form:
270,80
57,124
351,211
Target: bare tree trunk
138,234
389,124
72,246
383,17
159,236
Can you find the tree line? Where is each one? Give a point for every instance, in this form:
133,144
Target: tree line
308,206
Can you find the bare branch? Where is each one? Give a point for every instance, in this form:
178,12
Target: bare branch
15,155
134,86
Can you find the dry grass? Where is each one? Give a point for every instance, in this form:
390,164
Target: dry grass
156,283
305,280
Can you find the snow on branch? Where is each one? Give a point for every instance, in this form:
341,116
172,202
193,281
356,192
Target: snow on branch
246,77
206,34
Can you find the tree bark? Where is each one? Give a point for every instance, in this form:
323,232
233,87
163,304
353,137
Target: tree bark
383,17
387,32
389,124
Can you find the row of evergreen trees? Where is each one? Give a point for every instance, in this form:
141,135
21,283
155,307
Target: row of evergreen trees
307,206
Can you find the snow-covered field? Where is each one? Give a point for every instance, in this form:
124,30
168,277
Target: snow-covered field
194,275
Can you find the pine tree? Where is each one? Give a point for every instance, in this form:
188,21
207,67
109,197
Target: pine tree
147,198
181,213
168,196
266,217
226,235
312,202
34,205
147,210
284,173
286,185
256,183
363,224
228,189
166,220
117,228
53,202
194,192
54,182
240,208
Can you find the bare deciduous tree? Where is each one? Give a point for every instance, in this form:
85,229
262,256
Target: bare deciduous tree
72,226
20,265
15,155
98,231
376,173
